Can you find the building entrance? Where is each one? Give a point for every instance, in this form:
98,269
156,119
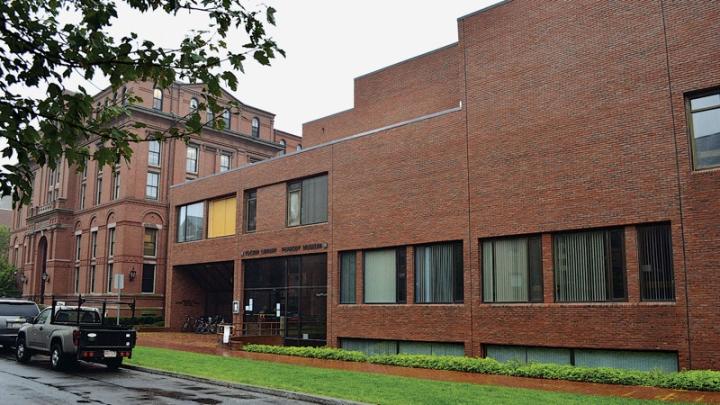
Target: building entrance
287,297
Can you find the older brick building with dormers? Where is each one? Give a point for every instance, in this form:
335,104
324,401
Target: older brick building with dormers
545,189
83,227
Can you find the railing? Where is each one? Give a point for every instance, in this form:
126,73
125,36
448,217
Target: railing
57,204
262,328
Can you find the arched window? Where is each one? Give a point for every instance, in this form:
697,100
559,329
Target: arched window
157,99
193,104
298,148
255,127
284,146
226,119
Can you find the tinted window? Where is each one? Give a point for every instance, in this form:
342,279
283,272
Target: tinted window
72,316
24,309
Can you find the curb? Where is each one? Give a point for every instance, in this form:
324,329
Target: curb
315,399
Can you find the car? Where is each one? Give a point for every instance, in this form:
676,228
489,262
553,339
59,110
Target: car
72,333
13,314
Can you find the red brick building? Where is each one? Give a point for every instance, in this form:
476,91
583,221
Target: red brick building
83,227
545,189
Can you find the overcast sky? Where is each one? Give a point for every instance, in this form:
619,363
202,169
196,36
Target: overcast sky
328,43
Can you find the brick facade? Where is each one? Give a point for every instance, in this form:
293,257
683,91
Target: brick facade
544,117
57,216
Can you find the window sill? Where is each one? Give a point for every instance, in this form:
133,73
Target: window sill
305,225
705,171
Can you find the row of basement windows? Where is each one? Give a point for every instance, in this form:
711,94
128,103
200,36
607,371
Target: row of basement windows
149,253
625,359
307,203
589,266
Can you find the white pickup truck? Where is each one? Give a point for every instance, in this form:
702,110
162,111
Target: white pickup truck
71,333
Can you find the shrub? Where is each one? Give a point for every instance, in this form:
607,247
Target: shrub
700,380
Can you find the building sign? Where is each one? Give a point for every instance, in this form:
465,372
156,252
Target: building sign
284,249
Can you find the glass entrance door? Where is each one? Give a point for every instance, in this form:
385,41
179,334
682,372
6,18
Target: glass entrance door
287,296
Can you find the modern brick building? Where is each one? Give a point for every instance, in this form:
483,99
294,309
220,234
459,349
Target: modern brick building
547,188
83,227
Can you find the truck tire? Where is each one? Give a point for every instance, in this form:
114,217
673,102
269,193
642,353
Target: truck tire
57,357
113,364
22,353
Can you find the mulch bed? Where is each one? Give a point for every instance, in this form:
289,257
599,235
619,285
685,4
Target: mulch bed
208,344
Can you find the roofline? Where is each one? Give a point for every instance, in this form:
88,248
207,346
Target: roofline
287,133
328,116
484,9
407,60
231,95
333,142
249,138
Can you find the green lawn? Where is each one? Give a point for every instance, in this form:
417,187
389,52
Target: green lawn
364,387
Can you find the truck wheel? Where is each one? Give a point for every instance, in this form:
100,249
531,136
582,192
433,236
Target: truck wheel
57,357
114,364
22,353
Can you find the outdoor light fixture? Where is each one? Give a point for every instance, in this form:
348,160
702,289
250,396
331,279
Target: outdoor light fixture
46,277
132,274
23,279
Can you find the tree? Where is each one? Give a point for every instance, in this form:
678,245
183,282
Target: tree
8,273
38,51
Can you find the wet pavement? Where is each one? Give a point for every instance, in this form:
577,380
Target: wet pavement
35,383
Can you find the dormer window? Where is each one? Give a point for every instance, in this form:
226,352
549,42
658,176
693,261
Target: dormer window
157,99
193,104
255,127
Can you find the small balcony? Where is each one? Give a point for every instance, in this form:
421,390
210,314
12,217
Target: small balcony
59,204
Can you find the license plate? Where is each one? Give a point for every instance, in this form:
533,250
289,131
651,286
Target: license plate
110,353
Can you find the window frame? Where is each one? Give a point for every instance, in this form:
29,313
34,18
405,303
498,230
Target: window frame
689,97
455,300
300,191
93,244
529,286
115,184
193,104
227,119
255,127
673,279
154,154
148,186
98,189
400,276
607,255
225,168
154,279
352,300
250,195
202,235
154,232
196,160
157,99
111,242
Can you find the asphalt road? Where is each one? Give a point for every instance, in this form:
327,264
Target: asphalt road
35,383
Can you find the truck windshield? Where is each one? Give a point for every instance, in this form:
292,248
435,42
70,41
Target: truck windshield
24,309
71,316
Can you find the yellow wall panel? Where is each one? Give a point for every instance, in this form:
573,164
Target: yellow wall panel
221,217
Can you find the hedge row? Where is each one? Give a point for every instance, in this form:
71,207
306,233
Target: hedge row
699,380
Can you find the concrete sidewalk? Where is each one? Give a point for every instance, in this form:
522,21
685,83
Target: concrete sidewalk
208,344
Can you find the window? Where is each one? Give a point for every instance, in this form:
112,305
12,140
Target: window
154,153
284,146
209,115
347,278
76,280
191,159
124,96
193,104
250,210
91,279
307,201
116,184
226,119
589,266
109,278
255,127
221,217
98,190
190,222
151,187
157,99
85,170
656,263
224,162
83,191
78,240
148,278
391,347
384,276
705,128
439,273
93,244
512,270
298,148
150,242
111,242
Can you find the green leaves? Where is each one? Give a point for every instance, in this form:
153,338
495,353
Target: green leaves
38,52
